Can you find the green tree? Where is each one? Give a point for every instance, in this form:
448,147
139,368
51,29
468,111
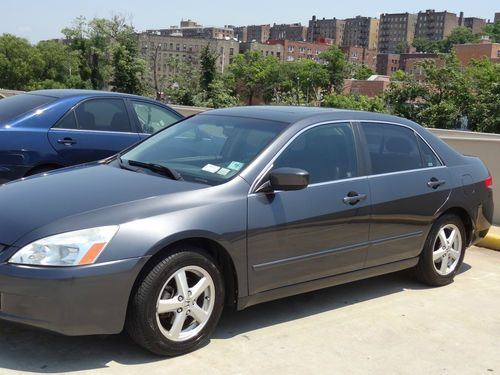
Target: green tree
493,31
355,102
427,45
182,85
404,95
20,63
362,72
402,47
337,67
460,35
208,64
108,54
252,74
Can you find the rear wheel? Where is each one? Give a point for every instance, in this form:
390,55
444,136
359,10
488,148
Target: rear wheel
443,252
177,305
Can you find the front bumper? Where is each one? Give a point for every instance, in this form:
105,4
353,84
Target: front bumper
72,301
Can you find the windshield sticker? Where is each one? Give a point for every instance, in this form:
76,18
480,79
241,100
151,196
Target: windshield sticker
235,165
224,171
210,168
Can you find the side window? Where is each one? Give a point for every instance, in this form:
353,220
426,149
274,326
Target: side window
68,121
392,148
327,152
152,117
103,115
429,159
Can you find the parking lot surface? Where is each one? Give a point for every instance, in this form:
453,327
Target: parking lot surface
387,325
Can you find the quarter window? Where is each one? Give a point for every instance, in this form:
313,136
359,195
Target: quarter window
392,148
103,115
327,152
152,117
68,122
429,158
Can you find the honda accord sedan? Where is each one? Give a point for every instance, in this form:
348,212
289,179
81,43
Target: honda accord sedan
234,207
49,129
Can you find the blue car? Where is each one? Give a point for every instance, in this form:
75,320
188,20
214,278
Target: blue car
50,129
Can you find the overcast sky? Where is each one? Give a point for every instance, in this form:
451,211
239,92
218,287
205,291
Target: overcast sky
44,19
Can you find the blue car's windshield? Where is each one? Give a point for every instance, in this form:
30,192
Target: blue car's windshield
17,105
208,148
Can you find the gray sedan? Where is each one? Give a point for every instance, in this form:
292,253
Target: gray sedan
234,207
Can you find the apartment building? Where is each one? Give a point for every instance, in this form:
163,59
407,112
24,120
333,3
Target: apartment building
294,50
396,30
435,25
361,32
191,29
160,50
326,28
240,33
275,50
475,24
259,33
294,31
387,63
361,56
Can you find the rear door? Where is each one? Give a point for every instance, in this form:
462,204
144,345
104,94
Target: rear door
94,130
298,236
408,185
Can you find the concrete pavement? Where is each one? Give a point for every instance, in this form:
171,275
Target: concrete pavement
386,325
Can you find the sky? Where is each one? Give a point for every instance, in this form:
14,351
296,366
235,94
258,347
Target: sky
43,19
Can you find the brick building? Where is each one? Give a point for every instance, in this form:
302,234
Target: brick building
361,56
435,25
396,30
361,32
294,31
294,50
497,17
374,86
387,63
240,33
474,51
191,29
326,28
475,24
259,33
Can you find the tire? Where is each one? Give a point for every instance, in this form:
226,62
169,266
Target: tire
431,268
155,325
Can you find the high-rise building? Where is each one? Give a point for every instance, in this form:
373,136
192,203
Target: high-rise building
240,33
258,33
497,17
326,28
361,56
435,25
396,30
361,32
294,31
475,24
191,29
294,50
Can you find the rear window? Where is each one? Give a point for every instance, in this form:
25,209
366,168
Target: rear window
17,105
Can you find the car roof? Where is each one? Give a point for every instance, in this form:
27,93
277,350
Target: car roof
293,114
67,93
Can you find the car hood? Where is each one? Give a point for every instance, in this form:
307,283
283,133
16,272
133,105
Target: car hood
38,201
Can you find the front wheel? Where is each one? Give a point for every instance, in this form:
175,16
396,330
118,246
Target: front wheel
177,305
443,252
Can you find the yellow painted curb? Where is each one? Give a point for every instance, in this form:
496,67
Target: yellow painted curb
491,241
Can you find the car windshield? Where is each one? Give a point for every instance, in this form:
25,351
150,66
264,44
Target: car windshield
16,105
208,149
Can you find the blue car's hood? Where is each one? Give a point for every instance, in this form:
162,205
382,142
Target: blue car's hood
39,201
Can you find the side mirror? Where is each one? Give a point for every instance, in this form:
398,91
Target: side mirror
285,179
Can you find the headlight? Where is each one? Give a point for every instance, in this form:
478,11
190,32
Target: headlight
67,249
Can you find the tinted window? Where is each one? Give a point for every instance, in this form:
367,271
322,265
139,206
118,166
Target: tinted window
16,105
392,148
68,122
429,159
207,149
103,115
327,152
152,117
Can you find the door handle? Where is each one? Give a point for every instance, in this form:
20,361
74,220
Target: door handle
434,183
354,198
66,141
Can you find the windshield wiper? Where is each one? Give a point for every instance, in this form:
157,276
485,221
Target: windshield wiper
157,168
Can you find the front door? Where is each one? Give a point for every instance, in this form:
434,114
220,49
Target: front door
299,236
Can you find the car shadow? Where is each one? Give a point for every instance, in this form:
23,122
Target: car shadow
30,350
